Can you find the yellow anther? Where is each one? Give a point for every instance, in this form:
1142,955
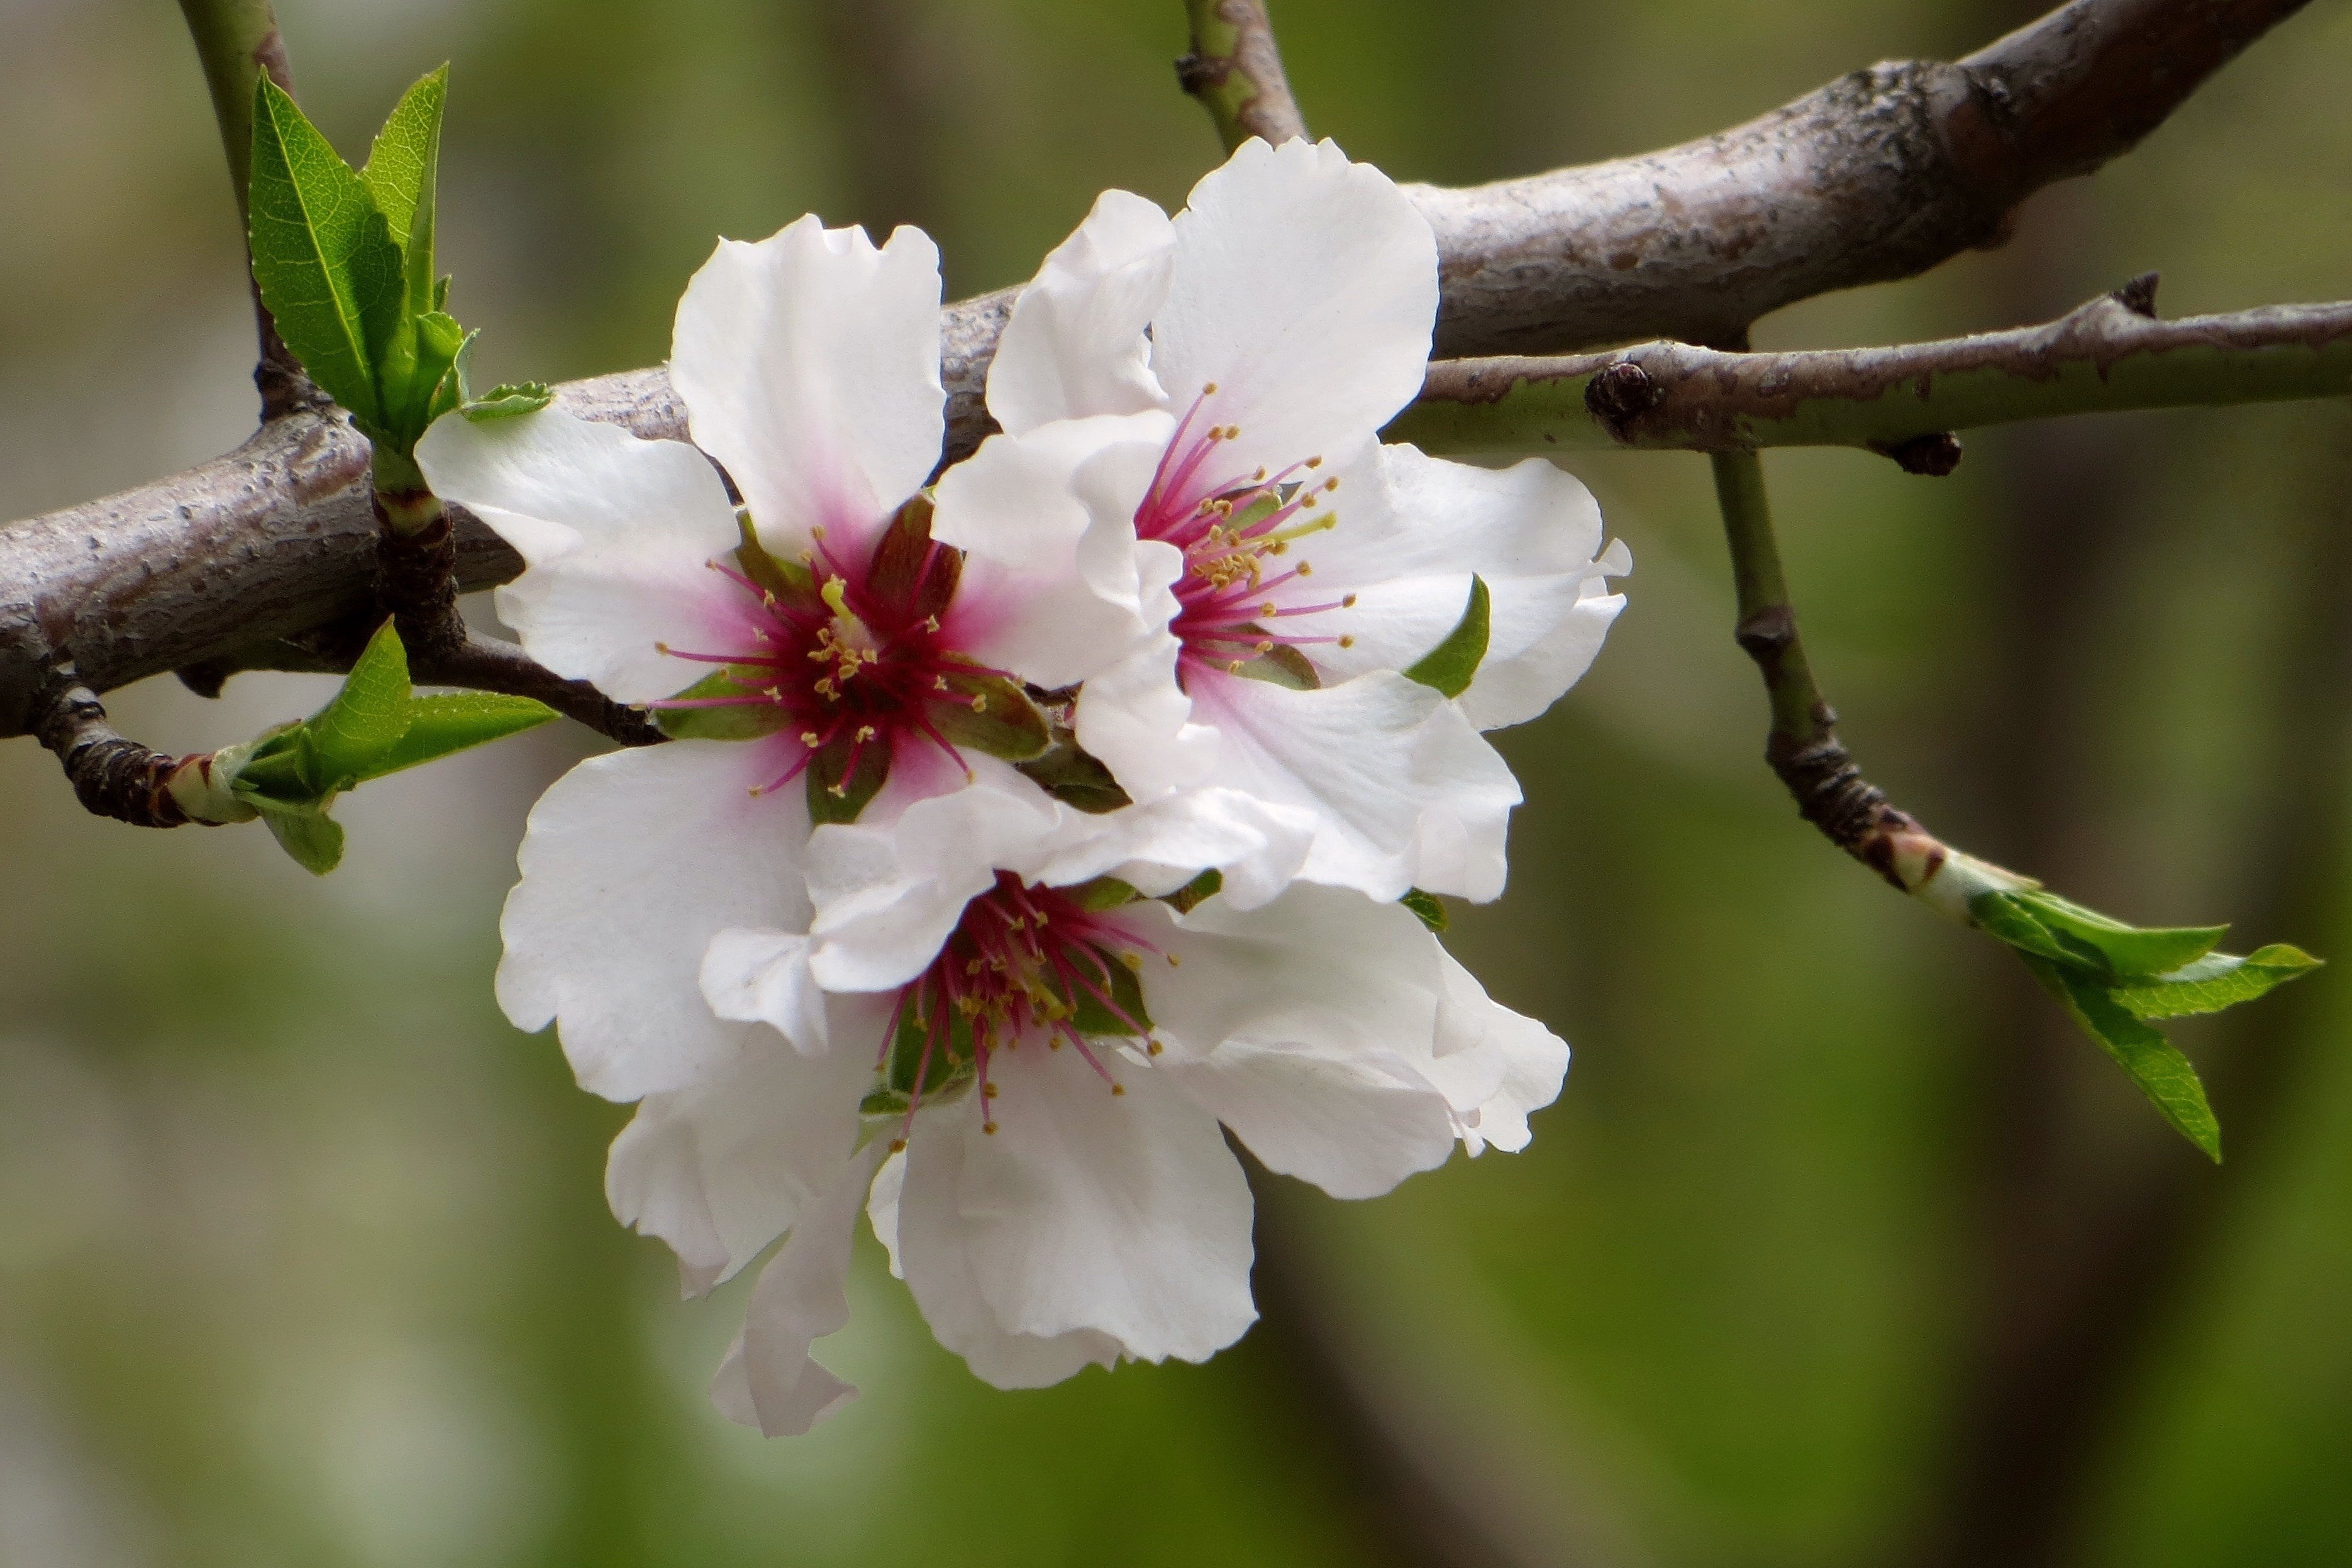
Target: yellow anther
1152,1048
1119,1088
865,732
1268,609
808,739
1305,568
1347,642
1332,483
988,1126
897,1146
1348,602
980,701
1234,668
661,647
1209,389
1308,499
839,791
989,1092
1175,962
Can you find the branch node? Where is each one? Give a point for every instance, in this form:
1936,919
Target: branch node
1935,455
1621,393
113,775
1850,810
2138,296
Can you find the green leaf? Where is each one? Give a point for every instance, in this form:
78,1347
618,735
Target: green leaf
2163,1075
736,721
323,256
2111,945
837,790
990,713
401,175
1073,776
443,723
2213,982
441,291
419,378
366,719
1431,912
306,832
506,400
1450,666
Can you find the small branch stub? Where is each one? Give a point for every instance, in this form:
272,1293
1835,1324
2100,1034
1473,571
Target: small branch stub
1235,72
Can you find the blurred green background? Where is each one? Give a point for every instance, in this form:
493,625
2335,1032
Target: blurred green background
1838,1248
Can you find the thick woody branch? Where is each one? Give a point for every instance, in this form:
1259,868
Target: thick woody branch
238,41
2110,354
1879,175
1235,72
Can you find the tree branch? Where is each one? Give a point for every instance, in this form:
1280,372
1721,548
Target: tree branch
1804,748
1881,174
237,40
2108,355
1235,72
1856,184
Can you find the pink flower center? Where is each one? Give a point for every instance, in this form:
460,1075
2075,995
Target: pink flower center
856,661
1025,965
1235,531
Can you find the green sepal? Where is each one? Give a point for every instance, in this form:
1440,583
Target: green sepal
1206,885
790,581
837,792
746,722
1101,893
906,571
992,715
323,254
1282,665
1450,667
506,400
2153,1062
1426,908
1073,776
402,175
2213,982
441,291
1091,1016
442,722
951,1056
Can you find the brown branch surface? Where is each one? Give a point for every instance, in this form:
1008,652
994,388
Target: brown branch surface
1879,175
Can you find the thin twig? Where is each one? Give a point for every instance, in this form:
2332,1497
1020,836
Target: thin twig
1804,749
2108,355
484,663
237,40
1235,72
113,775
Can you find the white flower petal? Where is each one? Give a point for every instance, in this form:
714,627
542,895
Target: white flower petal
616,534
887,898
1134,718
928,1237
762,976
882,1207
719,1170
1524,1062
810,366
1161,845
1351,1123
1049,588
768,1380
631,864
1405,792
1412,531
1074,344
1305,288
1125,1214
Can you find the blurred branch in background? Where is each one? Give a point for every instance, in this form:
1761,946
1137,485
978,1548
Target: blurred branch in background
238,41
